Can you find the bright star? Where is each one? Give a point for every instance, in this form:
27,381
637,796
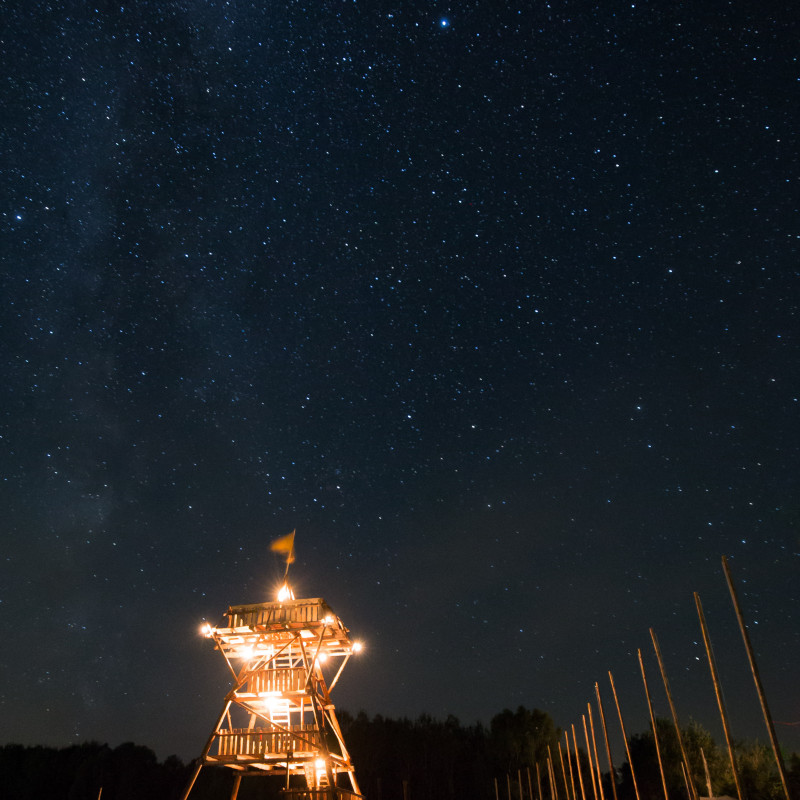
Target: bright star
444,22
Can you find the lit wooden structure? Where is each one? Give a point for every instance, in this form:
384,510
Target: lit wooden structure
278,719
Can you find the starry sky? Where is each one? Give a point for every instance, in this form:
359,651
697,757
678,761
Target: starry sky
495,303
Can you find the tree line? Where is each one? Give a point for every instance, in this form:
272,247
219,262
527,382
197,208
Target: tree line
421,759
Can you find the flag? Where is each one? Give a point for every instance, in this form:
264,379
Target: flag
284,545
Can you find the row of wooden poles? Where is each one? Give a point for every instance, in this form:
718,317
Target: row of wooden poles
571,765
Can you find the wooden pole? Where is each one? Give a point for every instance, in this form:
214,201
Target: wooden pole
206,749
596,755
689,781
564,772
589,754
578,763
496,790
624,735
569,764
757,679
654,727
708,775
608,745
193,779
237,781
712,665
539,781
552,773
689,785
530,785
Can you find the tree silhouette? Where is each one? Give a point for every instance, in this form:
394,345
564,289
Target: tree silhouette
520,738
425,759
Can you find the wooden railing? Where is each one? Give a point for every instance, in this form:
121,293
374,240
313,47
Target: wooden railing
261,742
305,611
277,681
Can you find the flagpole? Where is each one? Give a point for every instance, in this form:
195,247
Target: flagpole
759,688
552,774
625,735
712,665
655,727
285,544
578,763
612,775
564,772
569,764
589,753
596,756
689,782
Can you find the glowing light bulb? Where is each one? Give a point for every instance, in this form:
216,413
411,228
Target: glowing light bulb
285,593
357,647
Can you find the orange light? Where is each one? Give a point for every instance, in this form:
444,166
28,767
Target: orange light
285,593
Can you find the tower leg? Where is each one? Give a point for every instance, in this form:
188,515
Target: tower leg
236,781
207,748
194,778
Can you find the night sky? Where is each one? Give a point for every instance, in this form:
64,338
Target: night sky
495,303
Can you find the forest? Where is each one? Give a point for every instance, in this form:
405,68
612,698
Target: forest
422,759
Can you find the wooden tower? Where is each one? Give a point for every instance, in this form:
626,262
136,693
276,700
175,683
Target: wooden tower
278,719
